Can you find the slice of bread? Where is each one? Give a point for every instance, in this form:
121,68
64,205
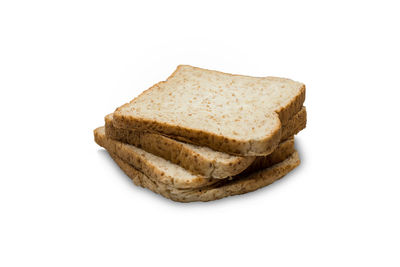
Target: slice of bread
167,172
235,114
224,188
197,159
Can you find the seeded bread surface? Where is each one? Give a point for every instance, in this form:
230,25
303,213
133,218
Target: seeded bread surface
235,114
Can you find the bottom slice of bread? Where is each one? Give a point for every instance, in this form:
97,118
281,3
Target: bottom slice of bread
240,185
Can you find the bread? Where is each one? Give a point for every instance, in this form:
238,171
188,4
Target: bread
240,185
235,114
168,173
151,165
284,150
197,159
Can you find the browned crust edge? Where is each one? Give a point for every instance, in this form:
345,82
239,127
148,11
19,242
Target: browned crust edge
175,152
137,161
223,189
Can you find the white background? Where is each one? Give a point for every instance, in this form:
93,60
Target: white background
66,64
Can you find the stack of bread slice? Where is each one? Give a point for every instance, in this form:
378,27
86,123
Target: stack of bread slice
203,135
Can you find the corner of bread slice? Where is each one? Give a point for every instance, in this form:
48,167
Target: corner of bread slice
108,118
98,135
231,166
265,144
152,165
290,109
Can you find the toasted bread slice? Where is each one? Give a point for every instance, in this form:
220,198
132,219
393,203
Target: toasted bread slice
235,114
224,188
197,159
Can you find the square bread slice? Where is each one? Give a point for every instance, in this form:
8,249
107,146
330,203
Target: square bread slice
197,159
235,114
169,173
224,188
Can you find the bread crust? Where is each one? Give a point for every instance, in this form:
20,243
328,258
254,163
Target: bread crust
180,153
188,156
284,150
163,171
245,147
139,159
240,185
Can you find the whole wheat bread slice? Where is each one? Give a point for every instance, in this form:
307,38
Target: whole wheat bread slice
197,159
235,114
169,173
224,188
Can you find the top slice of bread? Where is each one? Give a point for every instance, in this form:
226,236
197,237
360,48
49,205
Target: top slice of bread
235,114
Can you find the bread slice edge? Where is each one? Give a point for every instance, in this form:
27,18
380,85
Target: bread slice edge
219,166
241,185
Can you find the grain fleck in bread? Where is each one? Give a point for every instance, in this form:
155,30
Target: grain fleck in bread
197,159
224,188
235,114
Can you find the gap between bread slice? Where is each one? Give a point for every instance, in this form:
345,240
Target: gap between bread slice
197,159
224,188
235,114
169,173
